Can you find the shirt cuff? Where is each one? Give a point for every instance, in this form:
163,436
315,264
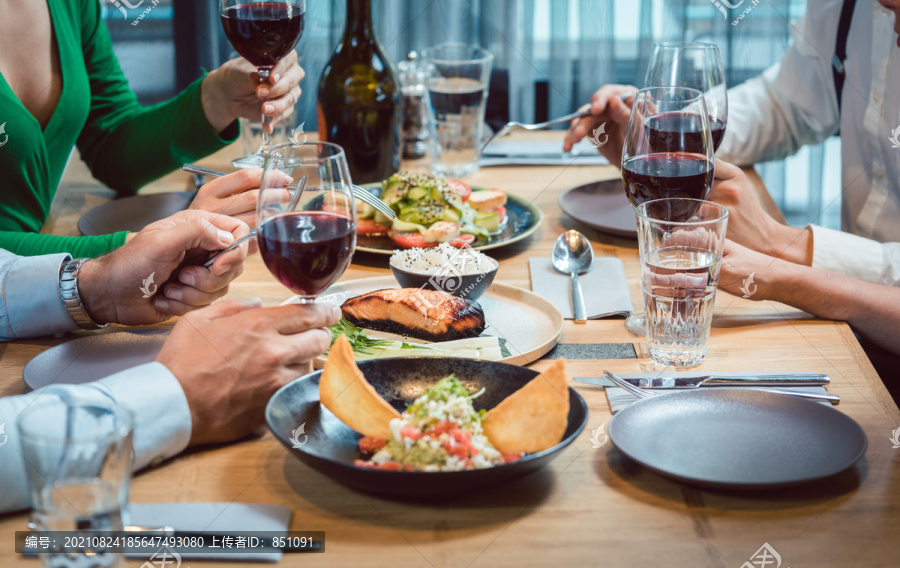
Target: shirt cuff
847,254
162,418
34,306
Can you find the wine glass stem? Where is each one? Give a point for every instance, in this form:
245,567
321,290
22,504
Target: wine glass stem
266,119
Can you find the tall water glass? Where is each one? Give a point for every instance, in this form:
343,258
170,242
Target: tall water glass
680,260
78,459
457,98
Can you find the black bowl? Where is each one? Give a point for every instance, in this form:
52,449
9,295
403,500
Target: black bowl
331,445
470,287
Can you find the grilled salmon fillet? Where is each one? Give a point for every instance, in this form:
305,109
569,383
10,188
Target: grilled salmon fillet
413,312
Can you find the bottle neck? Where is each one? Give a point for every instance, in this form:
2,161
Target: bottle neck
359,20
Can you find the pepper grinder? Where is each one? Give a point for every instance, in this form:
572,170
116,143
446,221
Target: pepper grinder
414,131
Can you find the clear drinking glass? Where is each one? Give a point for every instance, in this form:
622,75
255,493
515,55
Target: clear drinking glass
457,98
262,31
668,152
78,460
680,260
695,65
307,230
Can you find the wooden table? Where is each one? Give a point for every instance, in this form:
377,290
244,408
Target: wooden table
590,507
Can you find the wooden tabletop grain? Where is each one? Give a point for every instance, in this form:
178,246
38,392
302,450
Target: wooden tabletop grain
590,507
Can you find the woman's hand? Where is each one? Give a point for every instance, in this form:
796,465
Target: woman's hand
234,90
607,108
236,194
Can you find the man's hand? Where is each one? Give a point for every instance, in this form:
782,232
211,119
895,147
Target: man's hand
231,357
606,108
749,224
234,91
113,287
236,194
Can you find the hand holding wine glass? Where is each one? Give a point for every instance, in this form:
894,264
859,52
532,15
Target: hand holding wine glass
668,152
307,232
262,32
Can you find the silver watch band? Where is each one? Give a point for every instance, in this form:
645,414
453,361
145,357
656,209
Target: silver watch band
68,292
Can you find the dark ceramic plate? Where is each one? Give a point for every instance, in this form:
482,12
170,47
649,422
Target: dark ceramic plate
601,205
738,439
331,446
133,213
523,219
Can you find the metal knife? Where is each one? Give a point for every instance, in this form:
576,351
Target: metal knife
677,382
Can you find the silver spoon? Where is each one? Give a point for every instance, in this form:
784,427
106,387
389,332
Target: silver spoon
573,255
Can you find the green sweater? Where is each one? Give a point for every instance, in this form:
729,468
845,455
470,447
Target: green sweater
125,144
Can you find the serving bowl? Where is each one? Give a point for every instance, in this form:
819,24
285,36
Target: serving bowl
468,286
330,446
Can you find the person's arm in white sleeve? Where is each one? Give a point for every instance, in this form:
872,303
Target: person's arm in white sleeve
30,304
854,256
792,103
162,421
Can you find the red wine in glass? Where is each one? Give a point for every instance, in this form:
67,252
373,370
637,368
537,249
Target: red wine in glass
307,250
263,32
681,131
670,174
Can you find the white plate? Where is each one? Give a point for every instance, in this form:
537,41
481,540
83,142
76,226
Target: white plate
530,324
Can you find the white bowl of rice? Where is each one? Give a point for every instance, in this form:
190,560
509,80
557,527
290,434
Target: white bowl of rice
462,272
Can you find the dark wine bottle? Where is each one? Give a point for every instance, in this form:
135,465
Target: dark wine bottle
359,100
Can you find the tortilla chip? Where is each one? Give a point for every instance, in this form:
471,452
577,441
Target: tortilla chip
344,391
534,418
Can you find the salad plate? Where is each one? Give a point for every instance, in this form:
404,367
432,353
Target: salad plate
522,219
328,445
530,325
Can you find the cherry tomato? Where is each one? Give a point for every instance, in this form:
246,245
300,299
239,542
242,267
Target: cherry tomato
501,212
417,240
390,466
462,189
372,443
370,227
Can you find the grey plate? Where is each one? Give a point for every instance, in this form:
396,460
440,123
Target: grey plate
737,439
601,205
93,357
133,213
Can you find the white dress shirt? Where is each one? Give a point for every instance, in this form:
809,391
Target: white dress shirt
30,305
793,104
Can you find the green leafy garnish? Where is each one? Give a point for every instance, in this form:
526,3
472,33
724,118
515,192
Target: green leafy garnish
359,341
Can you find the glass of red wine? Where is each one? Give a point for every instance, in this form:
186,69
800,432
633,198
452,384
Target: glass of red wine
262,32
667,159
306,226
694,65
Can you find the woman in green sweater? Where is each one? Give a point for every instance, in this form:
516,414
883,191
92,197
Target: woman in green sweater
61,86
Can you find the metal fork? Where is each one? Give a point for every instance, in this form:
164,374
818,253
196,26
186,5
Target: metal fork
643,393
360,193
513,125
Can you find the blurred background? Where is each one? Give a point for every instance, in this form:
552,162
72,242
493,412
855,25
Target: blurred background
550,56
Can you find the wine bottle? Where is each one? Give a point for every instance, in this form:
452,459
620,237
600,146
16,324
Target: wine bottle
359,104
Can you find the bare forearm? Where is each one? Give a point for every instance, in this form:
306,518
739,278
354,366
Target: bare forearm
872,309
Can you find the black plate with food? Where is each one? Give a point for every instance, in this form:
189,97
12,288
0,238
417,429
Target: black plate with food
333,447
431,210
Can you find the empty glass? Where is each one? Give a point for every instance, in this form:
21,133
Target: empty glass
78,458
457,98
680,260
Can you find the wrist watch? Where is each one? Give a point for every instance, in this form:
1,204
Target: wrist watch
68,292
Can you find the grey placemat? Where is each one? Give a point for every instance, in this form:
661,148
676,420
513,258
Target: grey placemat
540,153
592,351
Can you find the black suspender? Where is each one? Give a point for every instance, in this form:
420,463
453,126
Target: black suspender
840,49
